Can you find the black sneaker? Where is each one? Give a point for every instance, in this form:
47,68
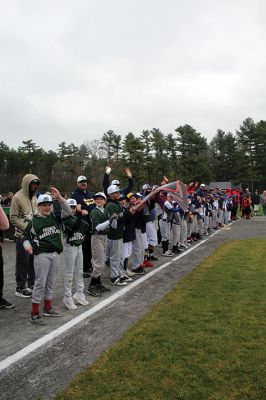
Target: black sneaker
5,305
37,320
86,274
153,258
23,293
138,271
125,279
51,313
94,291
103,288
118,282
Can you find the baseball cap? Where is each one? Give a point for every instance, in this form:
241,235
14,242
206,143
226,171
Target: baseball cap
100,194
115,182
112,189
122,196
81,178
72,202
37,181
44,198
146,186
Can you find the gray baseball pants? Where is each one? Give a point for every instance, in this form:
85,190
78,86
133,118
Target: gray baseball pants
46,266
73,257
98,243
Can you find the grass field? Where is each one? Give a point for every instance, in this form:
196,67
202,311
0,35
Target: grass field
204,340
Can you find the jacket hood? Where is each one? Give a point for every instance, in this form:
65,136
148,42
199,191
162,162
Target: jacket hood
26,180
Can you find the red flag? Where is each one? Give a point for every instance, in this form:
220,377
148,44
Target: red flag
177,189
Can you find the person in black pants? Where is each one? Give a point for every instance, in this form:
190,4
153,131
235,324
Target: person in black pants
4,225
85,204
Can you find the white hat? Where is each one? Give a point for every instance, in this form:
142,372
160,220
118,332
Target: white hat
81,178
202,185
112,189
72,202
99,194
146,186
115,182
44,198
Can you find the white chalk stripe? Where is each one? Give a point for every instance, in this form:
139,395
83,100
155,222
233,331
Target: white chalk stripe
19,355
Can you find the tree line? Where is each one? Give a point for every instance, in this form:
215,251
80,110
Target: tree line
184,154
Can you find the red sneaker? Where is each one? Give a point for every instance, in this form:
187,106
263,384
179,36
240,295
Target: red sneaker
147,264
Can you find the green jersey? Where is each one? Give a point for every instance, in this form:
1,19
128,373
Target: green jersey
113,207
98,216
44,233
75,229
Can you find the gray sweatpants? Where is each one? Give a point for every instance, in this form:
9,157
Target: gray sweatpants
176,230
137,250
98,243
73,257
116,258
165,229
183,231
46,266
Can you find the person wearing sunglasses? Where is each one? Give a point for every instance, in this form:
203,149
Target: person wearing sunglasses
85,204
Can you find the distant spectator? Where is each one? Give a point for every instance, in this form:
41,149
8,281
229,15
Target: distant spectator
256,202
263,202
7,200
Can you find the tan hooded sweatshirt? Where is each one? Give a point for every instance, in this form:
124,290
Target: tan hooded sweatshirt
22,206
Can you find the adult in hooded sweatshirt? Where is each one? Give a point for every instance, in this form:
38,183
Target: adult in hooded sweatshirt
23,206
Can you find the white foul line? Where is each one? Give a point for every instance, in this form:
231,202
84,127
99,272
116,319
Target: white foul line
14,358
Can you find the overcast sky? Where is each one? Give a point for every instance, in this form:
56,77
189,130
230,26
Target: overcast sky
72,69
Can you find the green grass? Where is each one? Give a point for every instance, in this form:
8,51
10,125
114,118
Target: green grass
204,340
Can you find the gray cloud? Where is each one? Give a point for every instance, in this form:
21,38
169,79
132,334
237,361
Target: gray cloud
69,71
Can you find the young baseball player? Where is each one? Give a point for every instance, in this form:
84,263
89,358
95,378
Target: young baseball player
100,223
43,240
75,229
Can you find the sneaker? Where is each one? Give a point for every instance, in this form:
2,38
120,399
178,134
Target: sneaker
148,264
5,305
94,291
86,274
37,320
23,293
80,299
129,273
153,258
30,289
69,303
103,288
118,282
168,253
51,313
126,279
138,271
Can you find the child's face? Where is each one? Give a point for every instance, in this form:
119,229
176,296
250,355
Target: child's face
132,200
45,209
123,203
99,201
115,196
